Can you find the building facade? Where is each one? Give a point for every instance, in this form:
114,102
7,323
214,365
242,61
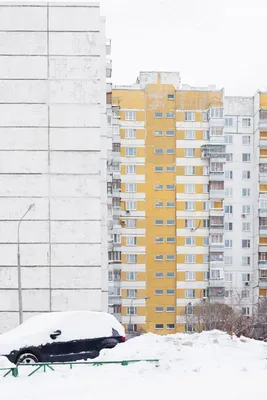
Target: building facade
192,205
53,151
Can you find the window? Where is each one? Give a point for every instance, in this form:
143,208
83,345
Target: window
130,152
190,258
245,192
189,188
229,157
158,169
170,222
170,292
245,294
170,326
159,275
158,133
170,309
245,260
190,206
207,205
115,129
130,133
215,274
170,257
158,187
228,260
170,204
228,226
245,209
206,135
245,311
170,240
189,293
228,209
131,276
189,170
159,204
170,96
189,152
170,187
116,147
159,222
170,275
189,116
130,187
159,309
246,140
246,226
158,257
205,258
205,171
205,188
204,116
245,243
131,241
131,223
228,192
170,169
190,135
131,293
228,122
170,151
170,115
190,276
159,292
206,223
206,241
169,133
228,139
130,205
190,223
158,115
246,277
245,174
216,112
246,157
206,275
131,169
131,258
158,151
228,243
159,326
228,277
130,115
190,241
159,240
246,123
131,310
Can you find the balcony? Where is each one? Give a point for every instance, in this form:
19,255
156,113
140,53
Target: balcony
108,68
116,211
217,140
108,47
263,264
216,194
116,156
217,176
216,283
262,248
217,264
216,152
216,212
263,142
216,222
116,138
263,230
109,87
263,159
117,316
215,247
114,300
263,283
263,177
263,124
216,292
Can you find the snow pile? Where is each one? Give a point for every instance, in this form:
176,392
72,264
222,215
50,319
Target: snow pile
5,363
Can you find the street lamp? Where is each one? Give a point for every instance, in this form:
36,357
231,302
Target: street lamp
19,267
131,305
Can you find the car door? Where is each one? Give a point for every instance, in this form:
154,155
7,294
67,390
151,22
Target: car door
58,348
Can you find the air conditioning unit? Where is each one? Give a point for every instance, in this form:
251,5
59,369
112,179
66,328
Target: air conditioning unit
247,283
192,229
243,215
127,211
123,222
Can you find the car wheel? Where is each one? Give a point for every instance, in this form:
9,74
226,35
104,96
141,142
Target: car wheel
27,358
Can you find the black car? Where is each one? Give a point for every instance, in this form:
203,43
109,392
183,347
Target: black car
61,336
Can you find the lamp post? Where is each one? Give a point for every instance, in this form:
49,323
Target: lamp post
131,305
19,267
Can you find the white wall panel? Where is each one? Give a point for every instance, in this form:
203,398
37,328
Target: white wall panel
30,231
75,162
8,320
23,115
74,115
74,43
74,67
23,67
31,277
74,18
36,300
31,254
23,43
72,300
12,208
76,278
74,186
22,162
70,91
23,18
23,185
74,138
76,254
9,300
75,232
23,138
73,209
23,91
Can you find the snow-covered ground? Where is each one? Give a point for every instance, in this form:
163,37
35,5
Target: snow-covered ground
199,366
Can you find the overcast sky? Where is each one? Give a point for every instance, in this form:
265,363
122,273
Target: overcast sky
208,41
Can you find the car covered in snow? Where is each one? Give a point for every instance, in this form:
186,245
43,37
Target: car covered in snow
61,336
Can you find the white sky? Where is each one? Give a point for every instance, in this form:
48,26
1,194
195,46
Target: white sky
208,41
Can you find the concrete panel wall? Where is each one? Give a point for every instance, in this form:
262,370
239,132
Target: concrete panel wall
12,208
74,19
74,186
32,277
74,91
74,115
22,162
74,209
71,278
63,300
23,18
23,67
74,138
75,162
23,115
24,185
74,43
24,91
21,138
73,67
23,43
75,232
30,232
76,254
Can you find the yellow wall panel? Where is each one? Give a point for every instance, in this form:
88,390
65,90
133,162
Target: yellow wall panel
263,292
263,100
263,134
263,152
263,240
129,98
263,188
